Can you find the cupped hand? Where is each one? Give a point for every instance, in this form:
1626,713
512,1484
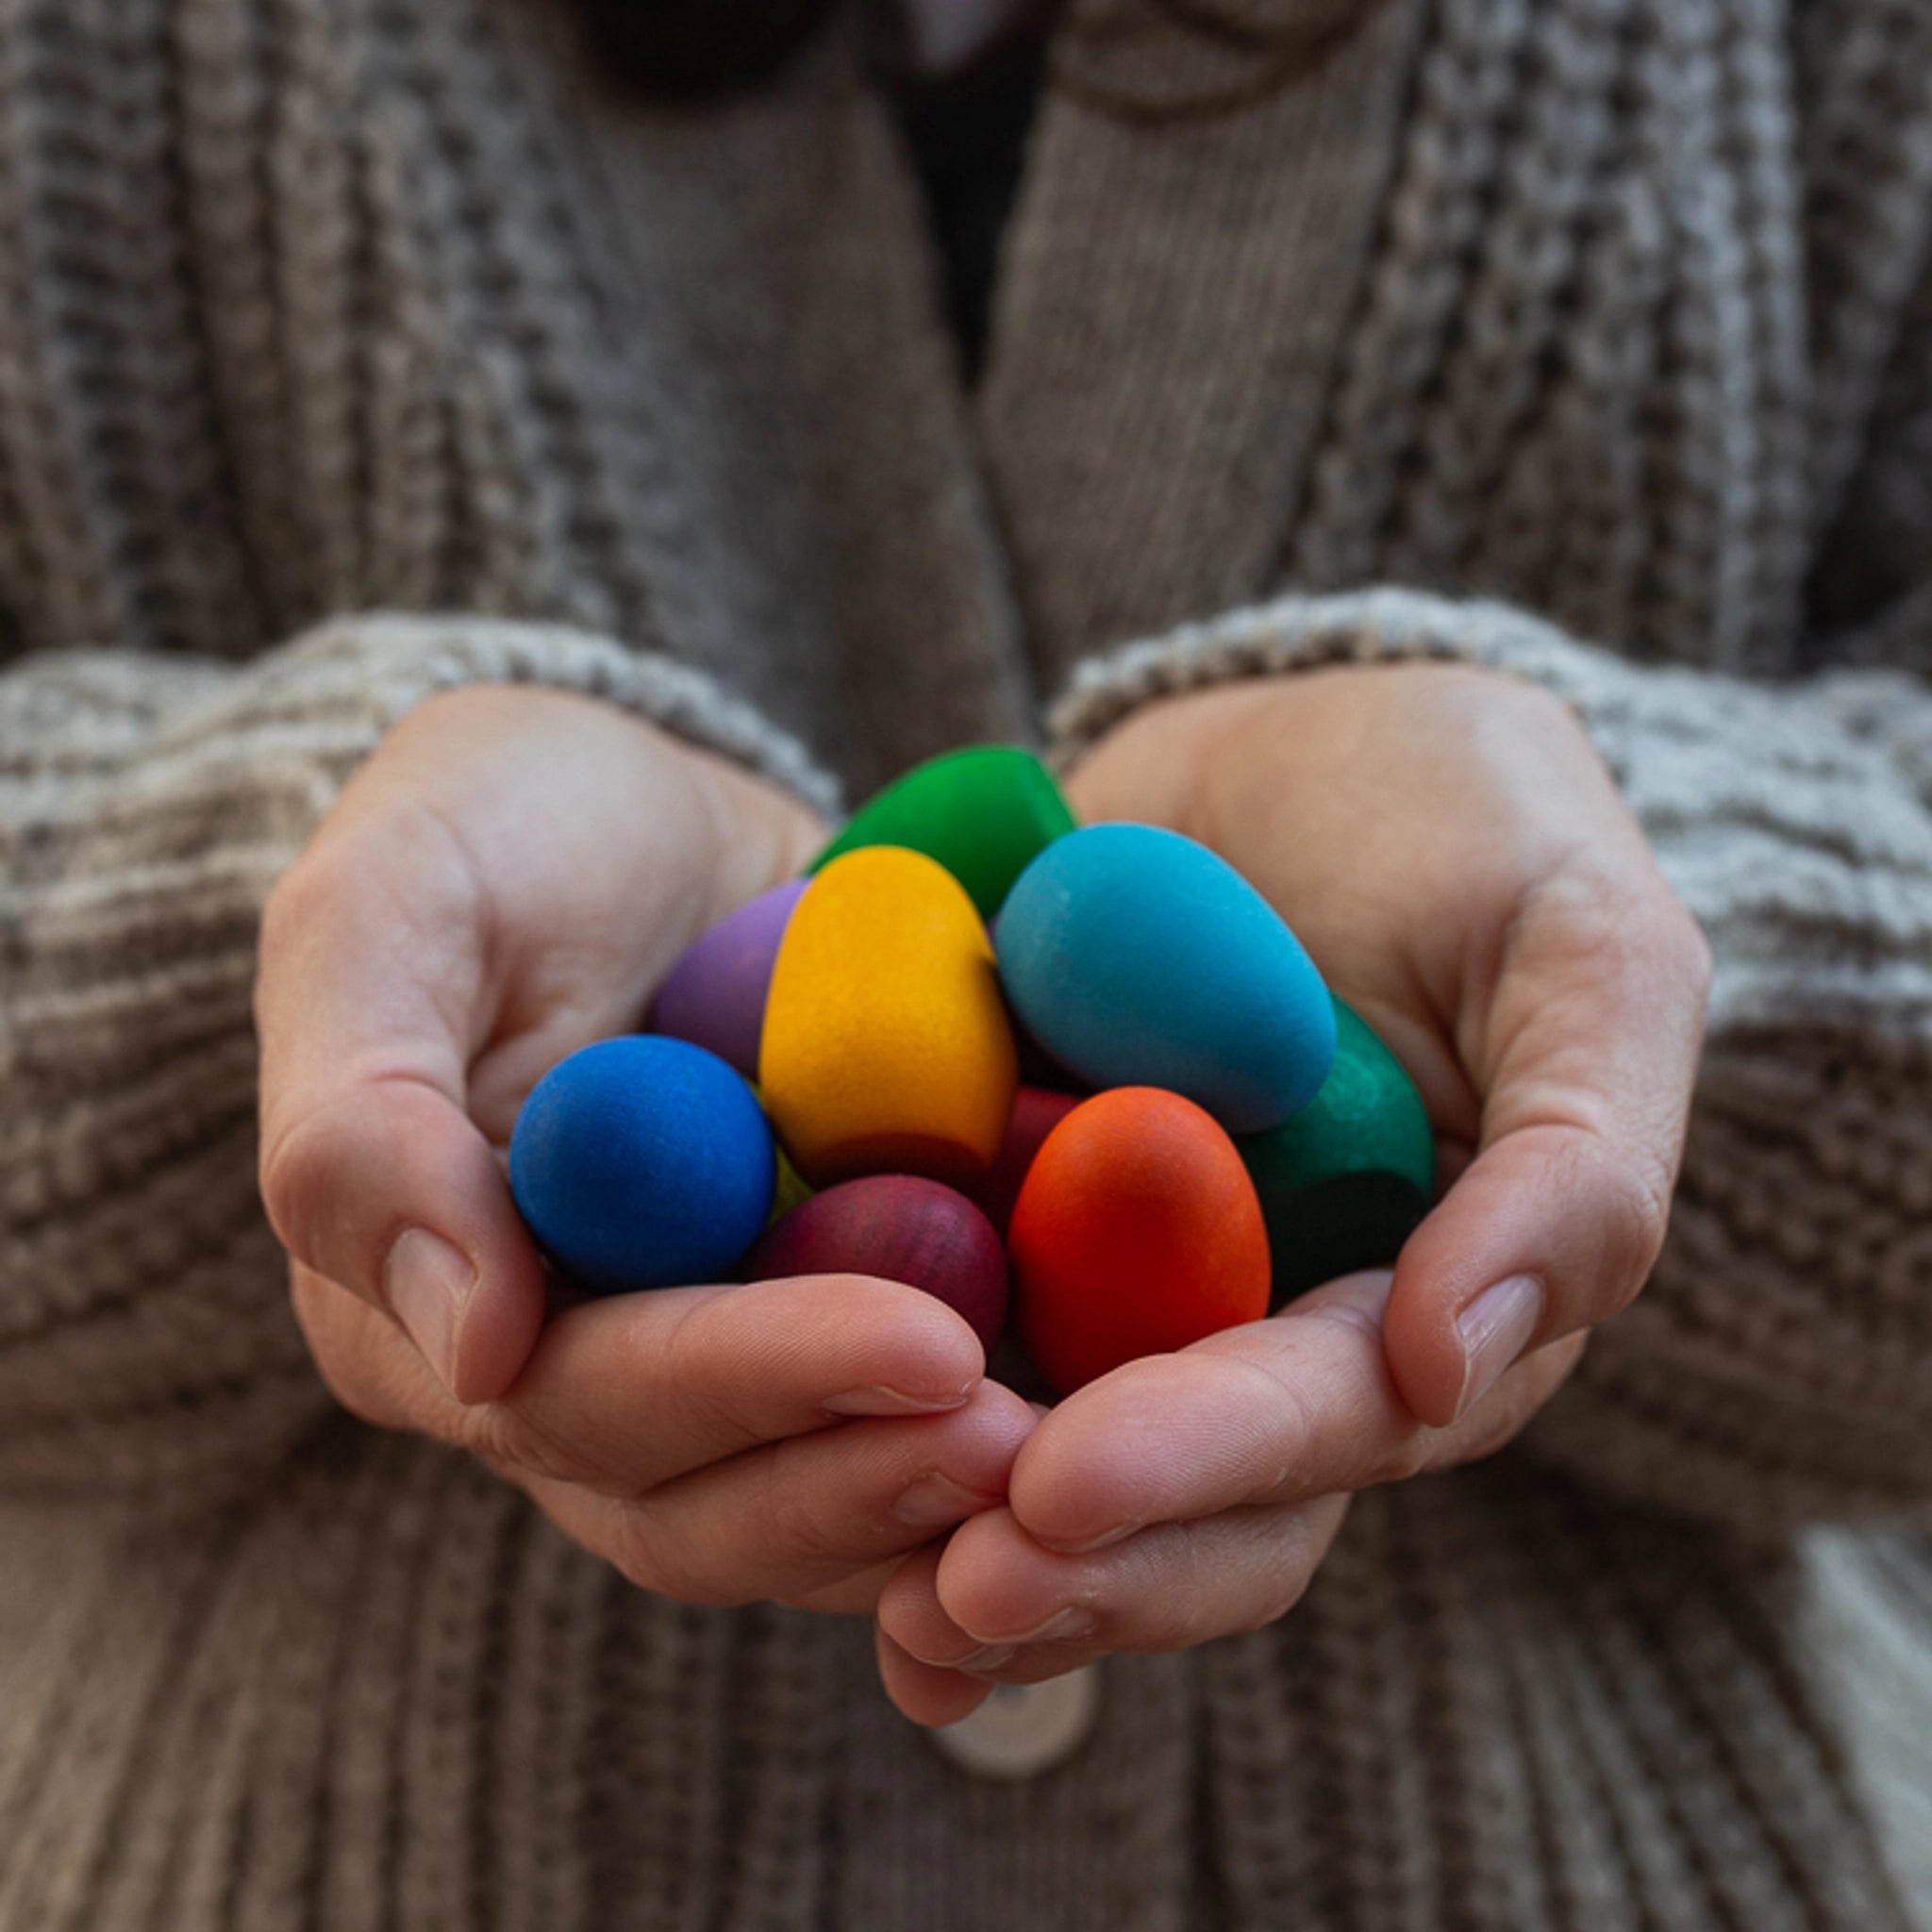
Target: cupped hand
506,880
1456,857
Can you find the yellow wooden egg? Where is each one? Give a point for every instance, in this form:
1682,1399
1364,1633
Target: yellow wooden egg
886,1046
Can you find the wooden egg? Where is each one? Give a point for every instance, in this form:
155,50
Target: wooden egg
715,996
642,1162
1037,1111
887,1048
983,813
901,1228
1345,1182
1137,1231
789,1190
789,1187
1138,957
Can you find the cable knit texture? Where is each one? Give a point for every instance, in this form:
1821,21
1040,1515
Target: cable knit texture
1589,339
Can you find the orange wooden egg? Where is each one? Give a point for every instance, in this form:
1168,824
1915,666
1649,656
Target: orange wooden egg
886,1045
1137,1232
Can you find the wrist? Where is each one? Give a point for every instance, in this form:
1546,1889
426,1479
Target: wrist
1150,766
1214,761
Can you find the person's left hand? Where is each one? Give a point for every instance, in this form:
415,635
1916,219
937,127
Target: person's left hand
1457,859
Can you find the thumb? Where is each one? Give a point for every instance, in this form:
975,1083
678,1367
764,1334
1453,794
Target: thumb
369,993
1589,1046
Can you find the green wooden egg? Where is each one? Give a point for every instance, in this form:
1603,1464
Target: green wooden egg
789,1187
984,813
1345,1182
791,1190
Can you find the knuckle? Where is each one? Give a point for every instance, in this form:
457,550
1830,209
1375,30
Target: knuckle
294,1176
1596,908
1407,1457
504,1435
1637,1202
794,1528
302,903
688,1355
287,910
343,1342
1191,1595
1695,963
646,1551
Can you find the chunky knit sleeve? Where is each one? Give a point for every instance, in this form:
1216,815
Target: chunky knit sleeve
146,807
1779,1365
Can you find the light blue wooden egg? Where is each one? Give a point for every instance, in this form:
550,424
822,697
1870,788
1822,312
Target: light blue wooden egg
1140,958
642,1162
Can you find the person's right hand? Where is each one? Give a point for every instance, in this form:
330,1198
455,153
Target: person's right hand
506,880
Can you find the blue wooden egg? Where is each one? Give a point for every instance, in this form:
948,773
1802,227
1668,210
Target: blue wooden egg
1139,959
642,1162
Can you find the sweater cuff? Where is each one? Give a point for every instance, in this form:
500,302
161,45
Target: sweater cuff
1298,633
368,671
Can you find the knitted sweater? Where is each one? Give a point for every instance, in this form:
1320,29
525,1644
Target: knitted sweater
1591,339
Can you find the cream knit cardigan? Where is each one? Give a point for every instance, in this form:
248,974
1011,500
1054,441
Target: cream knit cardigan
322,312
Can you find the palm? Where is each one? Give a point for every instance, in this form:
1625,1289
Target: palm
544,872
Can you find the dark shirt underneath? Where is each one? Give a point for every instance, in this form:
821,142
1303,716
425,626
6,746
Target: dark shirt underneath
967,136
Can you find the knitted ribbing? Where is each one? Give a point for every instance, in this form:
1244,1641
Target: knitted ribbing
1543,263
1866,78
357,1700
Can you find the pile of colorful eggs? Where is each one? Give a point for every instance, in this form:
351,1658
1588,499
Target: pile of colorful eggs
979,1048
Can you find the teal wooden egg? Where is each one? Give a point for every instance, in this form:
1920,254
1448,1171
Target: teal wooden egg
985,813
1138,958
1346,1181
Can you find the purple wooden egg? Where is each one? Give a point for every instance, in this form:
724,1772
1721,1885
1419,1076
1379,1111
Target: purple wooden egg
715,996
899,1228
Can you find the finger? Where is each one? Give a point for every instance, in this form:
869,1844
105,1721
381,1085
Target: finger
790,1520
925,1695
1586,1059
626,1394
857,1595
373,1176
1300,1405
1164,1588
913,1621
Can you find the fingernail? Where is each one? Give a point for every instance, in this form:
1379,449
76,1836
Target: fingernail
1495,1329
427,1284
1062,1627
1118,1534
934,1501
989,1657
883,1400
